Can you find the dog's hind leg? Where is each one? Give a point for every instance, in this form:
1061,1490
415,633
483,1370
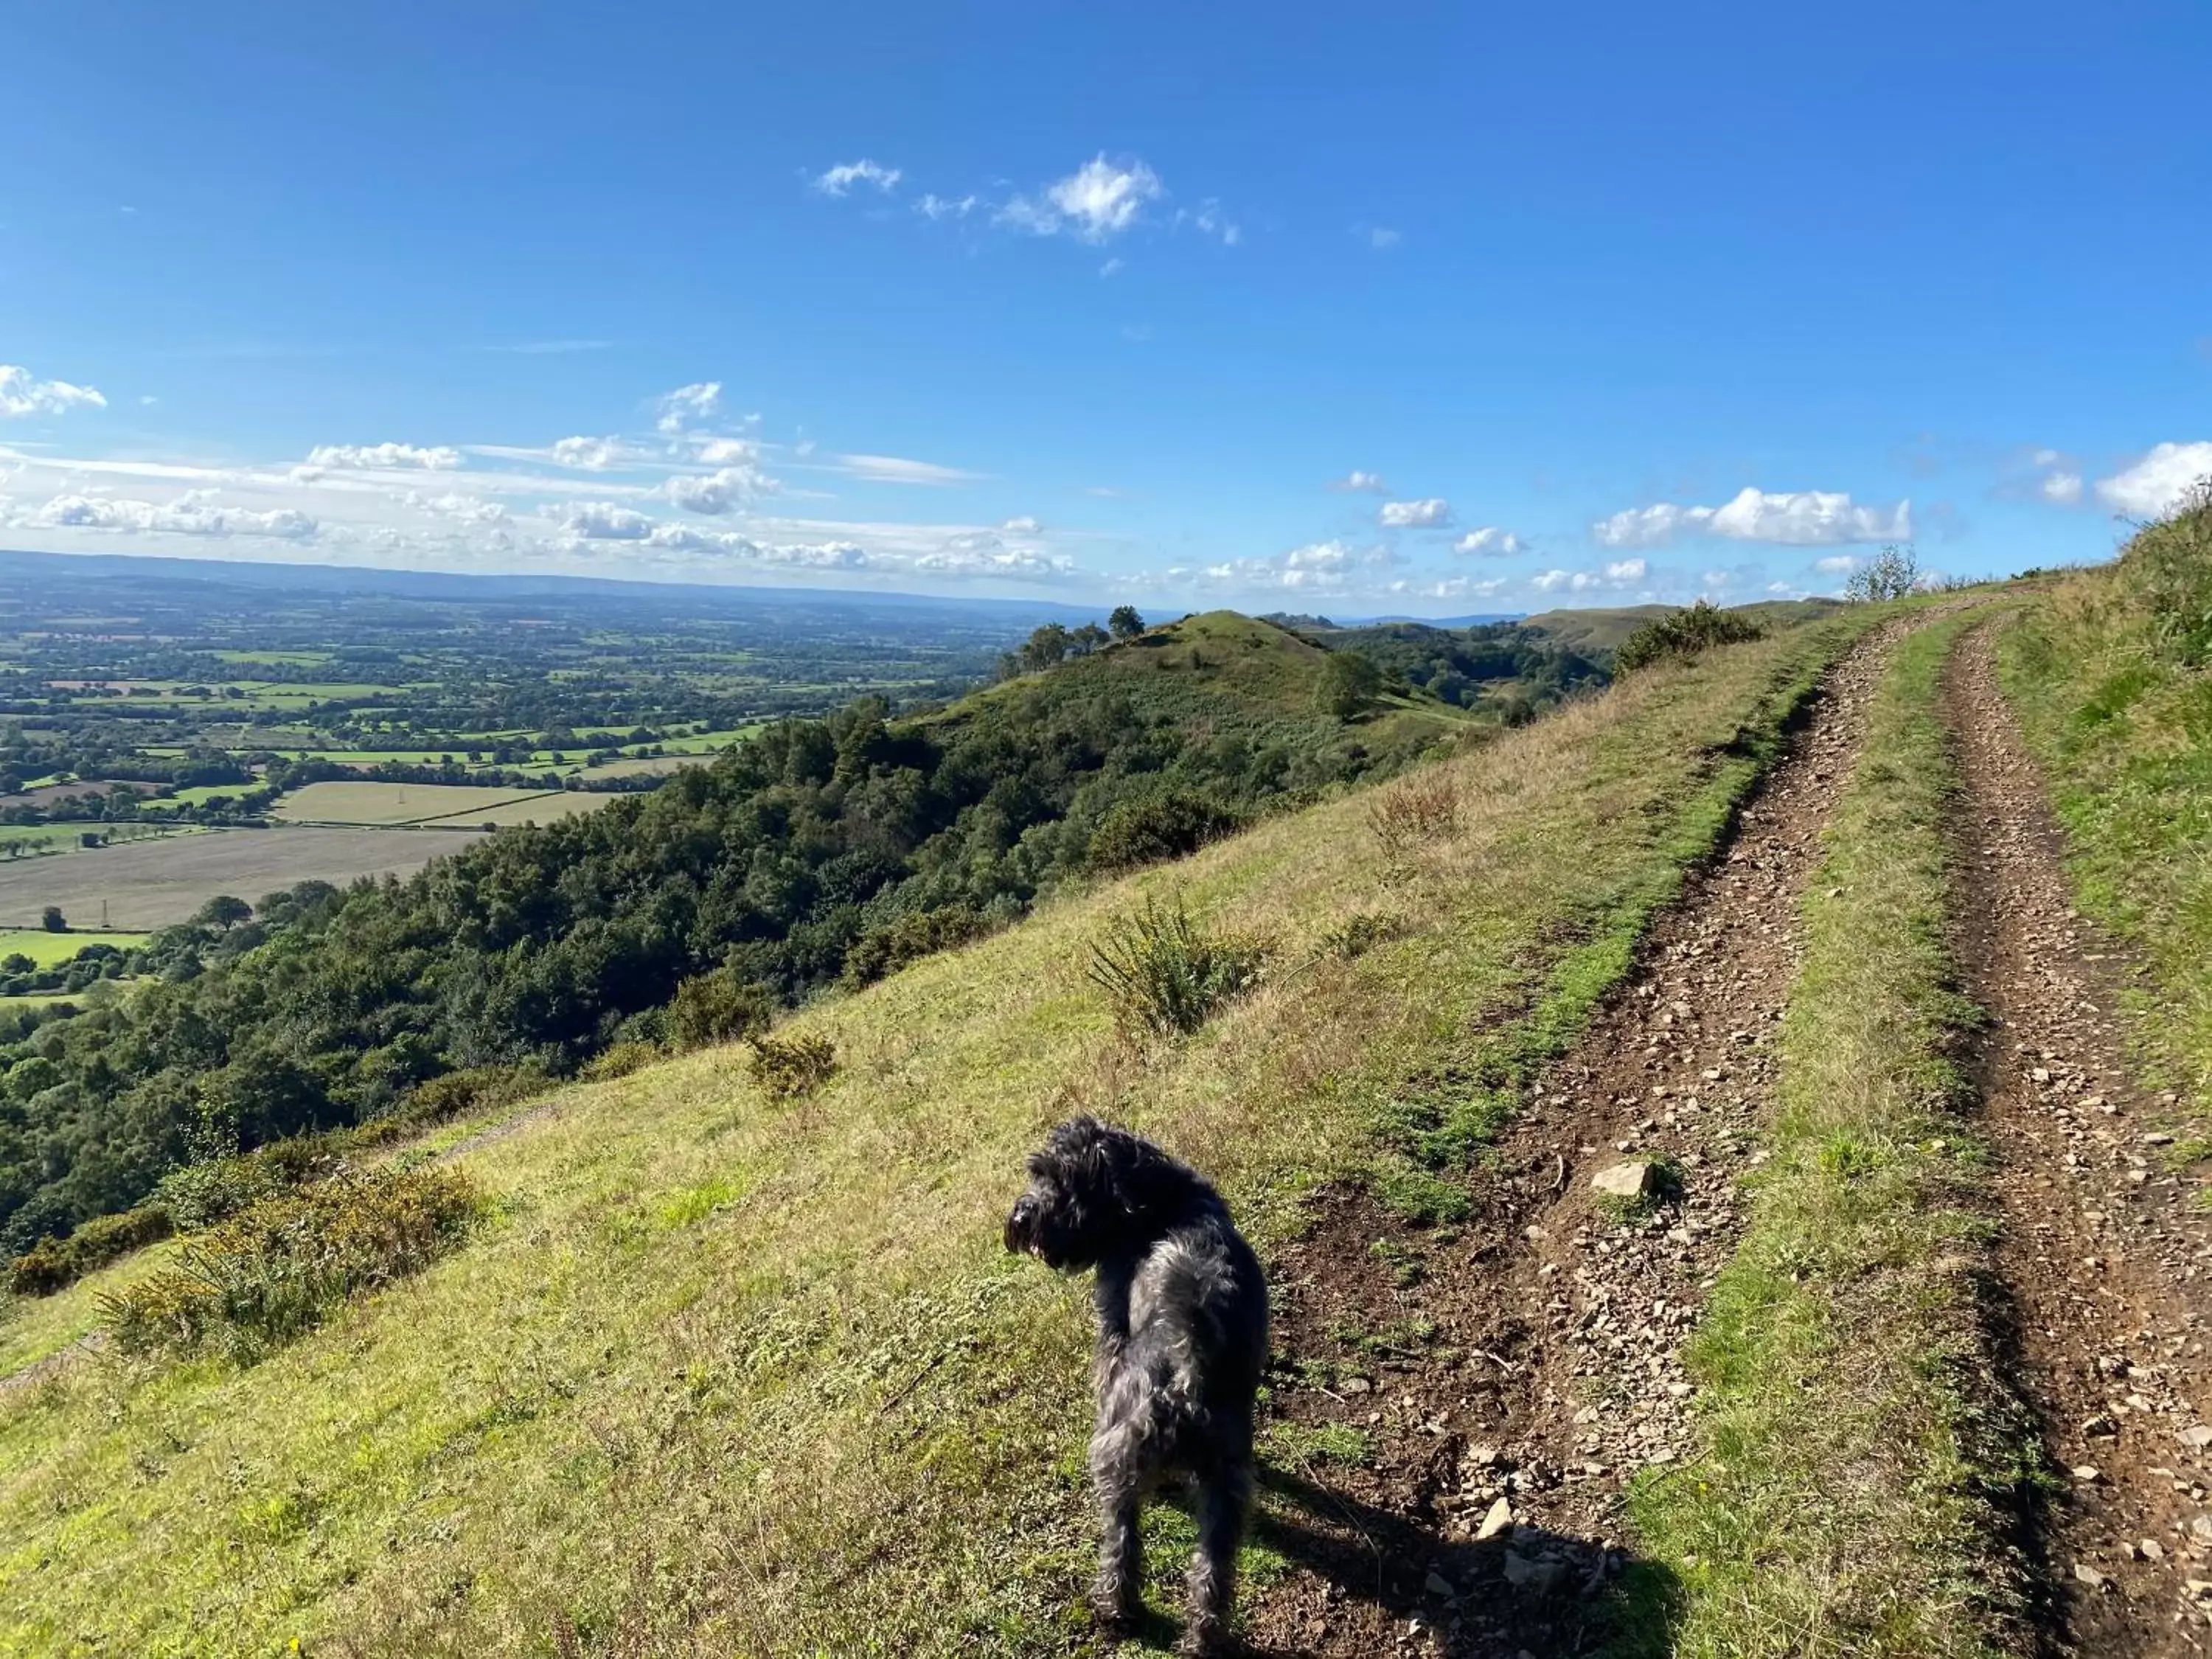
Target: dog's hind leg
1116,1596
1223,1497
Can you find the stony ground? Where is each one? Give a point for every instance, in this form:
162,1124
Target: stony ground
1459,1413
1506,1382
2102,1247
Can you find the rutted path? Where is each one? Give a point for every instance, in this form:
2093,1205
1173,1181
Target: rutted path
2101,1251
1504,1383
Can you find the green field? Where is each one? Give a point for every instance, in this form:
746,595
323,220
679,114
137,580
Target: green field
392,804
47,950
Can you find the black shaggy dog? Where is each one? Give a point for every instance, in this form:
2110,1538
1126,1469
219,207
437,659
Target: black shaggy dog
1182,1338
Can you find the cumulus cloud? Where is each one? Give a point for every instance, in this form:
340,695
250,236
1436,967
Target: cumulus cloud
1626,571
468,509
2159,481
982,553
195,512
588,454
1357,482
699,401
602,521
1430,514
1490,542
2063,488
1836,564
1623,573
1807,518
934,206
840,178
721,491
1096,203
383,458
21,393
1025,525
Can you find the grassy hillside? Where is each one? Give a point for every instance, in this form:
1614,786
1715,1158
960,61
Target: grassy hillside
724,1374
1600,631
2112,678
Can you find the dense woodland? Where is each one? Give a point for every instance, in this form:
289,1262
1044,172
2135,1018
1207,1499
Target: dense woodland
824,849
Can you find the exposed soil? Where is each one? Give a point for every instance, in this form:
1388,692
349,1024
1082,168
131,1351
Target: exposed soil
1510,1379
2101,1246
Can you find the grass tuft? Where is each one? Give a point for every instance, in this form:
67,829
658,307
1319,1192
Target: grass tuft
1165,973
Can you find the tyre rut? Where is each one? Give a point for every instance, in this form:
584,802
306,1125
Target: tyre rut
1506,1381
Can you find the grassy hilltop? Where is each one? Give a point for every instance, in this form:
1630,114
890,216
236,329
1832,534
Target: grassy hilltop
720,1372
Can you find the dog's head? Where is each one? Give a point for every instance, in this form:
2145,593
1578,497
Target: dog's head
1089,1187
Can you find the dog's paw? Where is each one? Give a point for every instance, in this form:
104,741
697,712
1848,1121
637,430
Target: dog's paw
1208,1638
1116,1612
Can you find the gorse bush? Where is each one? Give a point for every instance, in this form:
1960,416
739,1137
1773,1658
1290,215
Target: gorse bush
917,934
1165,973
721,1006
1421,808
1148,832
279,1268
789,1068
1683,634
2167,570
54,1264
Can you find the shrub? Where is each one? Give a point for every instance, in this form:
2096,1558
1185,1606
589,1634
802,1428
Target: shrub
791,1068
277,1269
1156,829
2168,566
1361,933
621,1061
1418,809
721,1006
917,934
200,1195
1683,634
479,1088
1890,575
1163,973
54,1264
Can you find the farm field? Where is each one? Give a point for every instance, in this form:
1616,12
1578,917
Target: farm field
389,803
531,808
46,949
48,838
159,884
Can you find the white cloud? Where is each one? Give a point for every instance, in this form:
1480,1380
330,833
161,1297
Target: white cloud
589,454
1096,203
469,509
698,402
721,491
602,521
1836,564
384,457
1623,573
195,512
1112,266
1026,525
21,395
839,179
1490,542
1808,518
1430,514
2063,488
2159,481
1365,483
895,468
982,553
934,206
1208,218
1626,571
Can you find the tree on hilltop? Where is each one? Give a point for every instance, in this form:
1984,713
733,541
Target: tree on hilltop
1125,623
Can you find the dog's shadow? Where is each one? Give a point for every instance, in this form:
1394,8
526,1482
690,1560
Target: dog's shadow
1562,1598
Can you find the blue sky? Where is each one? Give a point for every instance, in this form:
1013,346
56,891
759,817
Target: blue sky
1417,309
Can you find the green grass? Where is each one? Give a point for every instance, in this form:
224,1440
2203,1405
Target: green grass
2121,722
737,1376
1856,1460
48,949
528,809
48,838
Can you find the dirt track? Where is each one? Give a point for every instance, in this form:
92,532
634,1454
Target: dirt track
1533,1359
2100,1247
